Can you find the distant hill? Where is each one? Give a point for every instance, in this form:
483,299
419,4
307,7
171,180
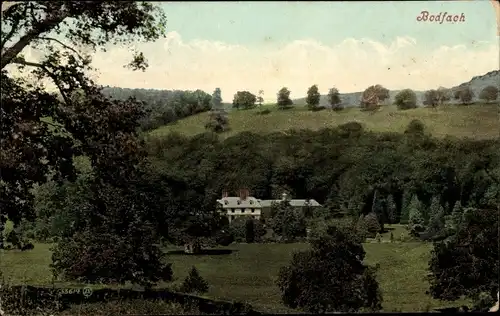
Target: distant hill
164,106
476,83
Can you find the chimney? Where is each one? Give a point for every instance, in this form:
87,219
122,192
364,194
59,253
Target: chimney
243,194
225,194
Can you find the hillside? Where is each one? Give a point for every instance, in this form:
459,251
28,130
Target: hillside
476,83
479,121
163,106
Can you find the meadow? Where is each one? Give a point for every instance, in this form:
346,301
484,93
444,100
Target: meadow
479,121
248,274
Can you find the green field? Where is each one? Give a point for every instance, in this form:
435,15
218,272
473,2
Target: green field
248,274
479,120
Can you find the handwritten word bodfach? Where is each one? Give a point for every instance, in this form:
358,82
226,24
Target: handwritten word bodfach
441,17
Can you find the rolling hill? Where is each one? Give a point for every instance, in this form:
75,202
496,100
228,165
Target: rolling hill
476,83
479,120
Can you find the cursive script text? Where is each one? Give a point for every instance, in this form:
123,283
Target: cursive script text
425,16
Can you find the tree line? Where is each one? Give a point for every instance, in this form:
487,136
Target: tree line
372,97
163,106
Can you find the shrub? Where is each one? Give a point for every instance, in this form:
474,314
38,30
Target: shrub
194,283
318,108
264,112
27,246
218,122
372,224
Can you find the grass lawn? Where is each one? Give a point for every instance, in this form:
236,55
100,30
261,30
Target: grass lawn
478,121
249,272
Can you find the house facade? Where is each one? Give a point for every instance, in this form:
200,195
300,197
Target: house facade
245,205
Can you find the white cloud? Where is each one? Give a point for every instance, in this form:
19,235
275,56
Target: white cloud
351,65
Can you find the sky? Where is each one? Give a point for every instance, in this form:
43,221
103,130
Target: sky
251,46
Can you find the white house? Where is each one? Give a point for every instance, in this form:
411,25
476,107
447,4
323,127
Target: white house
246,205
242,205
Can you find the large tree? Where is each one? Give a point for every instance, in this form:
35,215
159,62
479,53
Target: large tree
244,100
31,144
330,277
217,99
465,94
42,131
406,99
431,98
466,264
284,98
217,120
373,96
334,99
313,97
443,95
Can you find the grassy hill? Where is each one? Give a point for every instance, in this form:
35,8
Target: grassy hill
479,121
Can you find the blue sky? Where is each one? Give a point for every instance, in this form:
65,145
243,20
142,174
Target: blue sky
251,46
254,23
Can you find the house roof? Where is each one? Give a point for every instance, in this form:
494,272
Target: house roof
293,202
232,202
251,202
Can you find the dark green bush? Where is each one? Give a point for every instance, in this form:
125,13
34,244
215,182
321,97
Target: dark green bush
194,283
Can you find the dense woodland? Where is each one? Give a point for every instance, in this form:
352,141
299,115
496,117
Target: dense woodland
163,106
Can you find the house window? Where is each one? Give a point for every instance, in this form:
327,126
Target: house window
253,217
239,202
232,211
226,202
251,202
253,210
